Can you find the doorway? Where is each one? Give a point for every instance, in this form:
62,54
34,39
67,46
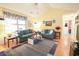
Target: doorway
77,33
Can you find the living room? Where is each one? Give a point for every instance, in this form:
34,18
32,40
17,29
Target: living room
38,26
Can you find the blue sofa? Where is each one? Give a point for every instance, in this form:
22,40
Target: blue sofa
48,34
23,35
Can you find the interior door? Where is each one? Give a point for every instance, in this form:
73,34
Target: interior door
77,35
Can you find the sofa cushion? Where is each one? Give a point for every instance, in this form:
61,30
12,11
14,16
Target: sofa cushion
30,31
21,33
24,35
46,31
51,31
25,32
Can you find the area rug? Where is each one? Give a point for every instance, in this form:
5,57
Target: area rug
41,49
2,53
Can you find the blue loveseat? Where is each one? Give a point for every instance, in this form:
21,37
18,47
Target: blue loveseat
48,34
23,35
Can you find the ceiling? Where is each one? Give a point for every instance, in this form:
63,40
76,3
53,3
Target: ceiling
39,8
66,6
26,8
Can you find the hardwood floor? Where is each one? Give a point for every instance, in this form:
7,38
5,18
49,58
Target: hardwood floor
4,47
62,49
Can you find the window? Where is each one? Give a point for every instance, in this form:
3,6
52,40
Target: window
10,28
21,21
10,25
10,21
21,27
21,24
14,23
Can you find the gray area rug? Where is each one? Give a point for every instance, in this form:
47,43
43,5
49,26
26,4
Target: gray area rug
42,48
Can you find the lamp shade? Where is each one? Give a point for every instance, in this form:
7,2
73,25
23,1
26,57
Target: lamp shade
58,28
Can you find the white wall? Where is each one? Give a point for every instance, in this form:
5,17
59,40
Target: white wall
65,33
69,38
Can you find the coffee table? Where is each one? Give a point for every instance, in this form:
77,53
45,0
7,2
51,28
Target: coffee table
34,39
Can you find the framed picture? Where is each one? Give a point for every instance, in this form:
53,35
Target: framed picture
48,23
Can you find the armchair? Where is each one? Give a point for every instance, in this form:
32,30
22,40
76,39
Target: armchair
49,34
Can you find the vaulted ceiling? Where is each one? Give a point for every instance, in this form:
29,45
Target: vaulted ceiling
39,8
66,6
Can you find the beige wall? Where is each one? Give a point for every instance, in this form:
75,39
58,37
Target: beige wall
1,27
50,14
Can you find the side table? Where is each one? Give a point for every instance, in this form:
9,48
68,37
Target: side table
57,35
10,38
